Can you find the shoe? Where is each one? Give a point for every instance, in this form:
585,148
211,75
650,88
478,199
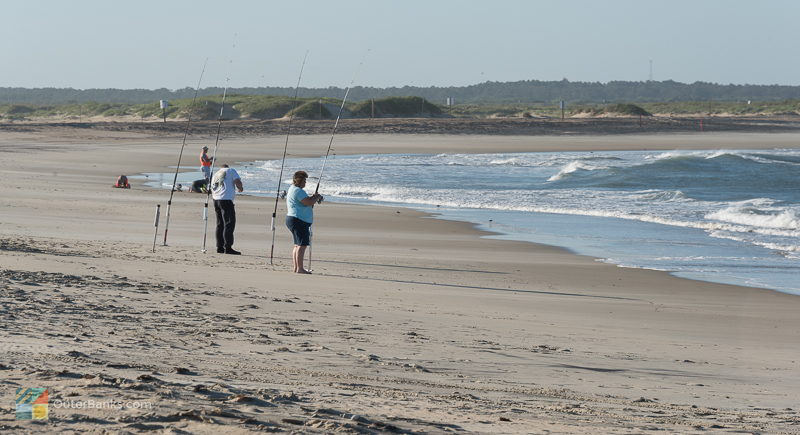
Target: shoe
232,252
220,251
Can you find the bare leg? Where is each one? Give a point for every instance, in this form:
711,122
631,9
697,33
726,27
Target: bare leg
297,258
294,258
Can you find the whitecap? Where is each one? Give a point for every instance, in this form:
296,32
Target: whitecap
753,216
661,195
506,162
570,168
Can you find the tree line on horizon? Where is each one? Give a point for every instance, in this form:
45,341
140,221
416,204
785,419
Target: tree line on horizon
525,91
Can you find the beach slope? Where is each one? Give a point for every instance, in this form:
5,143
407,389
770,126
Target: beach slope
408,324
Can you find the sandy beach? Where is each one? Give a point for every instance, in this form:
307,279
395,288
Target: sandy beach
408,324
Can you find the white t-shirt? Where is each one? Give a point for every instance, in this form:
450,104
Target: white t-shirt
222,186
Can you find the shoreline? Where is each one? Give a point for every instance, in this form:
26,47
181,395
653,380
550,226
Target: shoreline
497,235
410,322
696,142
562,242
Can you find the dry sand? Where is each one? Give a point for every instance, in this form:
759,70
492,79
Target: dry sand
409,324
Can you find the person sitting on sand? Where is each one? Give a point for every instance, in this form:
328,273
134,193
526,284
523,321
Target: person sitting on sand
122,182
199,186
299,216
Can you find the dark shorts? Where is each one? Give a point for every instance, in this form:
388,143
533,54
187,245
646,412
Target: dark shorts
301,230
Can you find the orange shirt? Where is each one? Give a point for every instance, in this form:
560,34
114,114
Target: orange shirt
204,159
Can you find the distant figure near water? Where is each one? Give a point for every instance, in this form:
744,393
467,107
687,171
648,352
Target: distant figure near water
205,163
299,217
122,182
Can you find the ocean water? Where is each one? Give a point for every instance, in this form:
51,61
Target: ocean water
721,216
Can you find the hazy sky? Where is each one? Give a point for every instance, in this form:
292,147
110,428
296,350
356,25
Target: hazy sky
164,43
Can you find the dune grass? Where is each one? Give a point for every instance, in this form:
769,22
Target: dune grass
275,107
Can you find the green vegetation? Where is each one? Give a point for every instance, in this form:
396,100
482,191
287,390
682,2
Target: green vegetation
239,106
259,107
678,108
626,109
504,110
311,110
66,111
620,109
518,92
783,107
396,107
247,106
17,109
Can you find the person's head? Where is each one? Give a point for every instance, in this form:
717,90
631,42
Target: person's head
205,148
299,178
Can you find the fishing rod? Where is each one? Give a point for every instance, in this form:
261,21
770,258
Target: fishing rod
336,124
213,160
333,133
283,160
180,156
155,224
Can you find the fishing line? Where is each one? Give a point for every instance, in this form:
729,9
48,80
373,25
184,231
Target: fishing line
214,154
336,124
213,160
333,133
180,156
283,160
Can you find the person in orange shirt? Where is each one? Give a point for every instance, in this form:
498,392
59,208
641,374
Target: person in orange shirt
205,163
122,182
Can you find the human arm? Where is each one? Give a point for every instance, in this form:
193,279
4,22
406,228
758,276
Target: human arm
311,200
238,183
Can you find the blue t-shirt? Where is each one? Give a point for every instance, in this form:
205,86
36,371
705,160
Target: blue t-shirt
296,208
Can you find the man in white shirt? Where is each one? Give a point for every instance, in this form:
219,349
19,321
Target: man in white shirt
224,185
